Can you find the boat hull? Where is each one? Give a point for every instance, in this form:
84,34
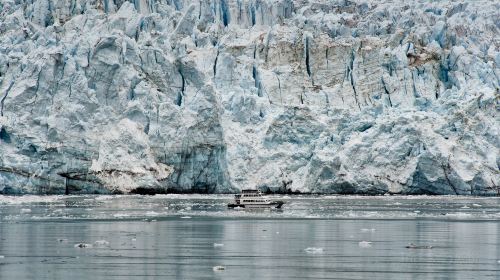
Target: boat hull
272,204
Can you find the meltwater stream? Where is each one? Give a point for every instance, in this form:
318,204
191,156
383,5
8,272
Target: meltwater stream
197,237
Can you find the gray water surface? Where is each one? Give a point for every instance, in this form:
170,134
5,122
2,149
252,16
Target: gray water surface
314,237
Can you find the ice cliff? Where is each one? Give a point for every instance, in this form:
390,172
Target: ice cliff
321,96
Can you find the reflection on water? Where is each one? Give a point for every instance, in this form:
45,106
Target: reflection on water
172,237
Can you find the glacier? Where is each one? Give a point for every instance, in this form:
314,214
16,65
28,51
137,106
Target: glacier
212,96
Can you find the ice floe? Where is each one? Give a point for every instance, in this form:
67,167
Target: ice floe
83,245
365,244
313,250
101,243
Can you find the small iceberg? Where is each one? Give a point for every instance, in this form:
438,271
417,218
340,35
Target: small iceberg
314,250
152,213
101,243
83,245
365,244
25,211
414,246
218,268
121,215
218,245
186,217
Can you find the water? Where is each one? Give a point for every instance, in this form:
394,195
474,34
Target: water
314,237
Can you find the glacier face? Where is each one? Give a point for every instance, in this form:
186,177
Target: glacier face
320,96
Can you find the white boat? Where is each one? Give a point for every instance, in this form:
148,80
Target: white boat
253,199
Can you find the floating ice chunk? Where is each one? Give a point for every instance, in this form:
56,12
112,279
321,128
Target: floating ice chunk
101,243
26,199
314,250
3,257
120,215
134,239
25,210
186,217
218,245
497,261
365,244
368,230
476,205
465,207
83,245
413,246
103,197
152,213
416,211
218,268
458,215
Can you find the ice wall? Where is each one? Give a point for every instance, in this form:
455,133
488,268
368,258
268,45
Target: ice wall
326,96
